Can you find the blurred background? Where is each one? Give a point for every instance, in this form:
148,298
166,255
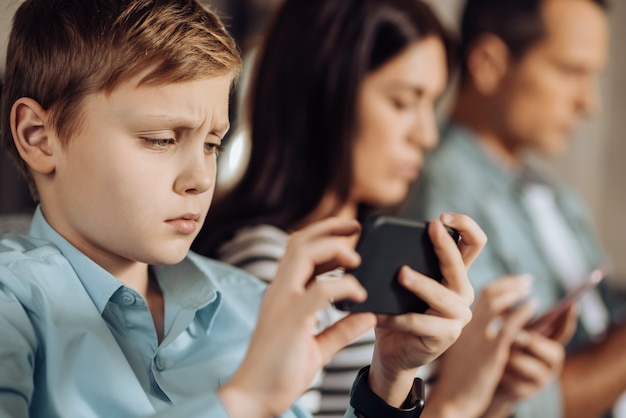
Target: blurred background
593,164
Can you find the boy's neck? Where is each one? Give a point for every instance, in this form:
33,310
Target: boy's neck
136,277
142,279
156,304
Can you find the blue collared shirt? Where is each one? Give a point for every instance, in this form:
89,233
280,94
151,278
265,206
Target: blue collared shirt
77,342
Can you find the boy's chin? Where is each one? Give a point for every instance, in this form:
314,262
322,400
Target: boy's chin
171,260
174,256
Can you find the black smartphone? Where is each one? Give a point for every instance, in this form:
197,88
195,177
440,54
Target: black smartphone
386,244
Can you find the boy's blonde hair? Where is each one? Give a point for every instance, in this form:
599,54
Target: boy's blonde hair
63,50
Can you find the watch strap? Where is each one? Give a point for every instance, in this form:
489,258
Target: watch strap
369,405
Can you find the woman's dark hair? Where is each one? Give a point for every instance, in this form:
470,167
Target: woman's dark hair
302,106
519,23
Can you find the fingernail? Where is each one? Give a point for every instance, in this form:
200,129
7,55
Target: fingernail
407,275
495,325
526,280
519,303
446,217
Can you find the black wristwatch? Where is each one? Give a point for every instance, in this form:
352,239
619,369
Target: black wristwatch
368,405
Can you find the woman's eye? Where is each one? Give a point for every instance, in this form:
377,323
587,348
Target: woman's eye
403,104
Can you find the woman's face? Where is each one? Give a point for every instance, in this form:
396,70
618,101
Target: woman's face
396,122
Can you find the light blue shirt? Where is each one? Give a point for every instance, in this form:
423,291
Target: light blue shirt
77,342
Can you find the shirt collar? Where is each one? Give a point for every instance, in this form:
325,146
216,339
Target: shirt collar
98,283
503,175
185,283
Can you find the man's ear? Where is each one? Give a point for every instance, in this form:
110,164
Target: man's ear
33,135
488,63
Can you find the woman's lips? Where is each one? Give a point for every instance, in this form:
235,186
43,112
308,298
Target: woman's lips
410,171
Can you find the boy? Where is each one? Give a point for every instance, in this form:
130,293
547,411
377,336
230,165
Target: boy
114,110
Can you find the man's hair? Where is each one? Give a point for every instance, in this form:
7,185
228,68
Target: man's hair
63,50
302,112
518,23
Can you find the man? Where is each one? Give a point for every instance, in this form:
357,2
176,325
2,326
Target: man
528,77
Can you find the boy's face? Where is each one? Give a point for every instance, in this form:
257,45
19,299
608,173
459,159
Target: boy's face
136,181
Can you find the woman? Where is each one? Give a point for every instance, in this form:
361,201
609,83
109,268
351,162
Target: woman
341,115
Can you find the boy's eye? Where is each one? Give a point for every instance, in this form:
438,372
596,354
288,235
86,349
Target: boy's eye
212,148
158,143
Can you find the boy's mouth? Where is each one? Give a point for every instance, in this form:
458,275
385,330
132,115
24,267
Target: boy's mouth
185,224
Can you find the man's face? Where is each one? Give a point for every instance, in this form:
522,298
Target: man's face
547,92
136,181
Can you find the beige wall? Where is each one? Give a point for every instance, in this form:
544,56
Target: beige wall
606,189
7,8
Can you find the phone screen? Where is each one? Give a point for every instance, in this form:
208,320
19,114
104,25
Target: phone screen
544,323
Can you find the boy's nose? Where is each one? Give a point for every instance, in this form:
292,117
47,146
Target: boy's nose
197,174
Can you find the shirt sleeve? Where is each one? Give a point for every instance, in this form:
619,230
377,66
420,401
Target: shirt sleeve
212,406
17,357
546,403
350,413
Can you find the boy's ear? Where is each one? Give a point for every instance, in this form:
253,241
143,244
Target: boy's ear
488,63
33,135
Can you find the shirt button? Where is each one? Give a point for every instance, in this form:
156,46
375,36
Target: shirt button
127,298
160,363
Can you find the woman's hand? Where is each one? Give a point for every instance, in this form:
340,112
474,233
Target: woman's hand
406,342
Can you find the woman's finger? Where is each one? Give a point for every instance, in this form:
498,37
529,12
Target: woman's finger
451,263
473,239
423,325
438,297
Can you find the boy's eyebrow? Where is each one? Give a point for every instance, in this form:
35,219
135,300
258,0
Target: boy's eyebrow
219,129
